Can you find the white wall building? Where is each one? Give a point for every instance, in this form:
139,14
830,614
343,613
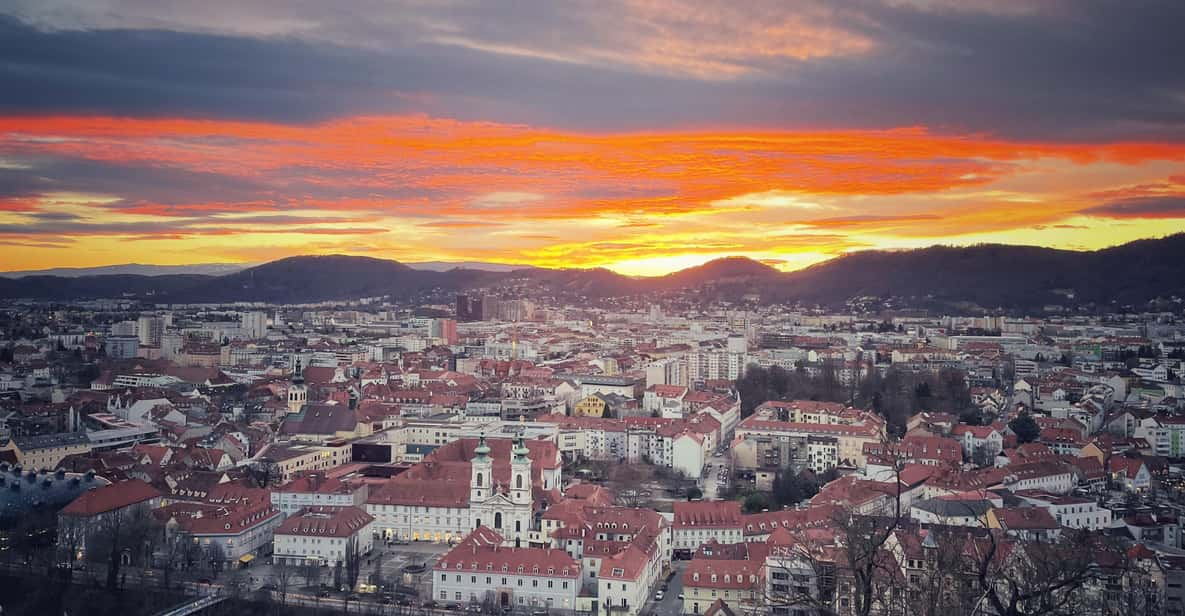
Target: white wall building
323,535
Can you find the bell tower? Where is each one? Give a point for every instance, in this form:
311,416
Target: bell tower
520,473
481,479
298,393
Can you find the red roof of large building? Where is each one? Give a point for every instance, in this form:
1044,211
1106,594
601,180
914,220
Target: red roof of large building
325,522
481,550
110,498
707,514
724,574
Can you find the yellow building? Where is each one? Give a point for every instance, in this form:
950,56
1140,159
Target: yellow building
591,406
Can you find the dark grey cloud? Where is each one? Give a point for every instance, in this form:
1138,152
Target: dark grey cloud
1086,70
135,182
1168,206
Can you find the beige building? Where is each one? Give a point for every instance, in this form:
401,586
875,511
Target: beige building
45,451
293,459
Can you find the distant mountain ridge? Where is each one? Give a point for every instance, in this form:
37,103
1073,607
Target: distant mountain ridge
970,279
444,266
134,269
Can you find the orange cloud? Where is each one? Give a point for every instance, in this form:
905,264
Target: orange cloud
529,194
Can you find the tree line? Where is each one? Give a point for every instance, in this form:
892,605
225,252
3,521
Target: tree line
895,395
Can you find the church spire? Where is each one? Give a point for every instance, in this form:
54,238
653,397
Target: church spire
520,450
483,450
298,374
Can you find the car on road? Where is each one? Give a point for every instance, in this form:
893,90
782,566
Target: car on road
680,596
429,604
323,594
659,595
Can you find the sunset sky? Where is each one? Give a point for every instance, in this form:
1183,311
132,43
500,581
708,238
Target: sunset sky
640,135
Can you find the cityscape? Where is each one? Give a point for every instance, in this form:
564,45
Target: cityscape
592,309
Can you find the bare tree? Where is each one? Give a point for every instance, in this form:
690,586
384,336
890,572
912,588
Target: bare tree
264,472
283,577
173,554
489,603
72,532
933,582
378,570
853,571
352,561
1034,578
215,557
311,572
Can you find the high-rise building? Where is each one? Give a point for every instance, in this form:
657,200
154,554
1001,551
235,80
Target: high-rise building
254,323
149,329
468,308
489,308
444,328
122,347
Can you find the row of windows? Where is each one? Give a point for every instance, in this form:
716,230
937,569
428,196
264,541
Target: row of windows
490,580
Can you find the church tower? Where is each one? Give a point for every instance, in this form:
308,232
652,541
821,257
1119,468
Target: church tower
298,393
481,479
520,473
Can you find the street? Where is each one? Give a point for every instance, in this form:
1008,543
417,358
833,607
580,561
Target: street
670,605
716,470
392,559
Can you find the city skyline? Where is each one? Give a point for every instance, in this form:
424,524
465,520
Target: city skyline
641,137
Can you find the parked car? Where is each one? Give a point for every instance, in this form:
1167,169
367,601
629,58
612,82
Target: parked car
659,595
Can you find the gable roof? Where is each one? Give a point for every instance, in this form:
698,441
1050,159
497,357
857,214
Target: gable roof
110,498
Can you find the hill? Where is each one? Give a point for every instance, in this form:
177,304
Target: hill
133,269
967,279
995,276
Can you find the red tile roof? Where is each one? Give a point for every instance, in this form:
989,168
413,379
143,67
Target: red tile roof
481,550
729,574
325,522
111,497
707,514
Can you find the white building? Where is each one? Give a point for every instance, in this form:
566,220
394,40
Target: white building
254,323
482,570
1071,511
323,535
316,490
699,521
